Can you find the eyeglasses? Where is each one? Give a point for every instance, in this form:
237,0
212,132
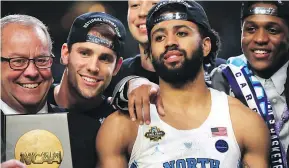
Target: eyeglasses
21,63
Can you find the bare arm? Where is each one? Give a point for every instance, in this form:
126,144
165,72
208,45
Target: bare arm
257,143
114,139
253,135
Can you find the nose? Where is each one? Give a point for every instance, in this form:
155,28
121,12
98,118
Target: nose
171,40
261,37
144,9
31,71
93,66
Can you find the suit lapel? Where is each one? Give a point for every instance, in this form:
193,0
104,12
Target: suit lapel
3,136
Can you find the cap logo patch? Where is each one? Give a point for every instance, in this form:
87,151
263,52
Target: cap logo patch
100,41
171,16
263,11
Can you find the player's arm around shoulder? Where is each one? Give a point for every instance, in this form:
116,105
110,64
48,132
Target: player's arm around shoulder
115,139
251,133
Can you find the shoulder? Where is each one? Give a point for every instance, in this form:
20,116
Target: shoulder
101,111
55,109
118,120
218,80
128,62
129,65
251,132
220,61
240,111
219,69
217,72
247,124
117,130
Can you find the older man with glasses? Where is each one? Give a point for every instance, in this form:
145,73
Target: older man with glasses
26,60
20,63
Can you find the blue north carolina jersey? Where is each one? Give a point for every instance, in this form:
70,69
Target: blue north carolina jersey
212,145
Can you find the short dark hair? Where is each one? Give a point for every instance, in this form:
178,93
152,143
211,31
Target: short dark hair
215,44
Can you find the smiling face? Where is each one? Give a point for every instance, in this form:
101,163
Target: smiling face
28,87
177,50
265,41
90,66
136,18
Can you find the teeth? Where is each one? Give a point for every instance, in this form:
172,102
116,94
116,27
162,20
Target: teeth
89,79
260,51
143,26
30,86
172,56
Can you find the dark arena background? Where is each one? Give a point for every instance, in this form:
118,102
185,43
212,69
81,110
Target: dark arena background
224,17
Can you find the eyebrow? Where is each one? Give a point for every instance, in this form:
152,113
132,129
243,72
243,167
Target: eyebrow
19,55
84,48
182,26
91,51
158,30
266,23
108,55
176,27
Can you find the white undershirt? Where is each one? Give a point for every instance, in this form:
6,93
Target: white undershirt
7,110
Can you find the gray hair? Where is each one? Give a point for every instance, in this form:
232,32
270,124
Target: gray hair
29,21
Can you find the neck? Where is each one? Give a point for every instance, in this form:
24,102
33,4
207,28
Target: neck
189,96
145,60
66,97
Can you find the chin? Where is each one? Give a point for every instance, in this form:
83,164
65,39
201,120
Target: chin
141,38
261,67
260,64
90,94
29,102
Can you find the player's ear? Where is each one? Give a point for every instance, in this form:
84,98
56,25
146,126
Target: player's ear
64,54
117,66
206,43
